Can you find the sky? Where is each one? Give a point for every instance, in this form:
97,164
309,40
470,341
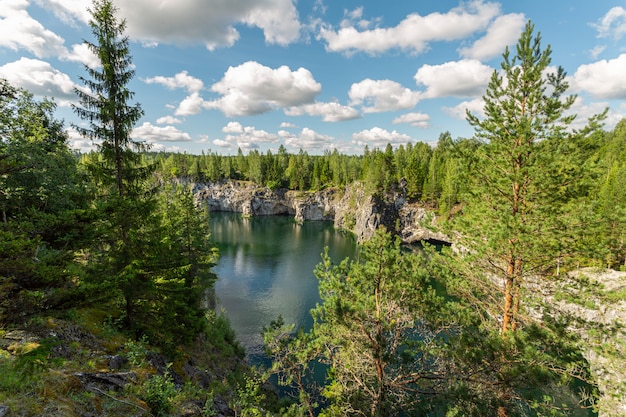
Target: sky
317,75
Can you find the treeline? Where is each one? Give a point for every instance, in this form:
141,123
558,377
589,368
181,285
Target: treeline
429,174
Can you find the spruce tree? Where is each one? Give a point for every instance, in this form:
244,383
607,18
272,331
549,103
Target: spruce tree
124,204
104,102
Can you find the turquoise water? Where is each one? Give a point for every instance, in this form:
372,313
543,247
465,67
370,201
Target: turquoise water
266,270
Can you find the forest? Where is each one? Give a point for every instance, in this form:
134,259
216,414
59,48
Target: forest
105,263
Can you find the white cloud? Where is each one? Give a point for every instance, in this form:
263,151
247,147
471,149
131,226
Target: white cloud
21,31
475,106
40,78
330,112
287,125
278,19
584,111
209,22
465,78
504,31
252,88
612,24
78,142
233,127
69,11
382,95
308,140
244,137
379,138
602,79
415,32
180,80
82,54
192,104
222,143
150,133
168,120
596,51
414,119
194,21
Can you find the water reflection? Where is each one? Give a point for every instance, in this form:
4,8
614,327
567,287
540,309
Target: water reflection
266,269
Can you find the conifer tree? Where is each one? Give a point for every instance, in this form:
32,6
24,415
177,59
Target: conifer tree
104,103
525,176
125,205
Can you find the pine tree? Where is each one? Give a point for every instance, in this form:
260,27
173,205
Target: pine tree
526,175
523,175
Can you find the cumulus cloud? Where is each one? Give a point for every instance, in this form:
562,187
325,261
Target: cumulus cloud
504,31
40,78
78,143
379,138
605,79
194,21
414,119
415,32
168,120
308,140
21,31
81,53
612,24
150,133
382,95
465,78
475,106
233,127
252,88
287,125
584,111
69,11
244,137
330,112
181,80
192,104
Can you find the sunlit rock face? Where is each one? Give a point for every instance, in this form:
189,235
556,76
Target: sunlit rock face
353,208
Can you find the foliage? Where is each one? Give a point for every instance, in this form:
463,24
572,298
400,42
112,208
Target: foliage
158,391
150,252
42,205
104,102
377,328
526,178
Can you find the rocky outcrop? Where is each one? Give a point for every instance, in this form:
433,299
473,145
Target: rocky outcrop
595,298
352,208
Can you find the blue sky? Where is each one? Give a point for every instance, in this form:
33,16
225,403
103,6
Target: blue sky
313,74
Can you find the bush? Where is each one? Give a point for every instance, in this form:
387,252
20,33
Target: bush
158,392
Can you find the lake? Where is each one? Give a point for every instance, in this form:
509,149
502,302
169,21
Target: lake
266,270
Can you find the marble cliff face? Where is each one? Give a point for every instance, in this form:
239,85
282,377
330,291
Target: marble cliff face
351,209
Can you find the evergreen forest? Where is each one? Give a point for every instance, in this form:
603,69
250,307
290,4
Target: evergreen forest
106,305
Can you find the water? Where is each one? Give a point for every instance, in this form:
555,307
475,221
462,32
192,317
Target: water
266,270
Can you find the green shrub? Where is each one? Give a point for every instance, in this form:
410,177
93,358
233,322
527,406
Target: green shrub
158,392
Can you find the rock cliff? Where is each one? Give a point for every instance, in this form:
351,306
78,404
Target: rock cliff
352,208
